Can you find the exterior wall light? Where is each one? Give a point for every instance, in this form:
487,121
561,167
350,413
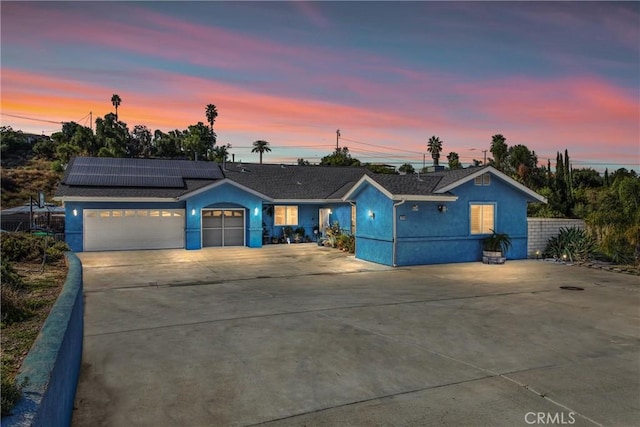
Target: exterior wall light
442,208
372,215
255,211
415,208
75,212
193,212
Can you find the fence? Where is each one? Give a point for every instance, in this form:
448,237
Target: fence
542,229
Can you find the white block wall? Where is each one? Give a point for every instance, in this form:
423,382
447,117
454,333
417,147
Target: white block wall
542,229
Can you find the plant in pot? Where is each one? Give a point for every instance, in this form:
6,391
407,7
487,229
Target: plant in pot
298,234
495,247
287,234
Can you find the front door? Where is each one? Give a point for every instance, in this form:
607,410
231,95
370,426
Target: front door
324,220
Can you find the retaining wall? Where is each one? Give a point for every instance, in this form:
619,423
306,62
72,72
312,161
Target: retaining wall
52,366
542,229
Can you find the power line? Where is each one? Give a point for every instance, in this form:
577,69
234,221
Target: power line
30,118
381,146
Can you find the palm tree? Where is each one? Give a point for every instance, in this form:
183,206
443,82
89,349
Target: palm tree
211,112
454,160
434,146
499,149
116,101
260,146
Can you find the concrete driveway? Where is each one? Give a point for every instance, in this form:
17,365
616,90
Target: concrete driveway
293,335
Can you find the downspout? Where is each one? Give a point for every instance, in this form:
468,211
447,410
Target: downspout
395,231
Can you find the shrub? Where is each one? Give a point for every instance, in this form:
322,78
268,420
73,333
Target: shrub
618,249
56,251
19,247
12,304
11,393
573,243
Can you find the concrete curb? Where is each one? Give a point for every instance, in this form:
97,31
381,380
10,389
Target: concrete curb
52,366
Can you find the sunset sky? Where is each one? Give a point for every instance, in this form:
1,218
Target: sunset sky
388,75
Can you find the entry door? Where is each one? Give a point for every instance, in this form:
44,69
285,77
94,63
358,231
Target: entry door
223,227
324,219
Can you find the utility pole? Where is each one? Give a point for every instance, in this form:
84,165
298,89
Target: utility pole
484,162
337,139
91,120
424,160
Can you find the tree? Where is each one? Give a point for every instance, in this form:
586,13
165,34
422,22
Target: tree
407,168
112,136
340,157
12,141
303,162
381,168
585,178
521,163
167,145
220,153
434,146
116,101
454,161
197,142
212,113
140,143
499,150
261,146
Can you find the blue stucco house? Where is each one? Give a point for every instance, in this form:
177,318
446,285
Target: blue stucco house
439,217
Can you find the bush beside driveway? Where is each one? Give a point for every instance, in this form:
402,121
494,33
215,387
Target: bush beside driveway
303,335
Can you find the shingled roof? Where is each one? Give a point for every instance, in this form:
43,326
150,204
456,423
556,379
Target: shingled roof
288,182
94,177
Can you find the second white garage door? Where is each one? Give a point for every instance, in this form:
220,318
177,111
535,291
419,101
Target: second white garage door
127,229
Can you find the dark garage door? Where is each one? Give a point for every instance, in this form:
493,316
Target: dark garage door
222,227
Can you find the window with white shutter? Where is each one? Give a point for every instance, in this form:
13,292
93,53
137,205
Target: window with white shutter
482,218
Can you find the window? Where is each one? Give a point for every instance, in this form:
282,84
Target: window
482,218
484,179
286,215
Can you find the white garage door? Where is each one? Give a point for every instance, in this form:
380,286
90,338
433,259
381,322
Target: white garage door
122,229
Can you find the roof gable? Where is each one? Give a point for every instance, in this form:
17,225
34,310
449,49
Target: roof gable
451,184
399,187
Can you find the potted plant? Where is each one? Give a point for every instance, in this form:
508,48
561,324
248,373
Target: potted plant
287,234
495,247
298,234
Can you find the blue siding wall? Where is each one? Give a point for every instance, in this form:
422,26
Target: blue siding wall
73,223
426,235
374,234
224,196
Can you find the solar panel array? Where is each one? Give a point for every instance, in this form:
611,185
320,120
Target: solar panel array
114,172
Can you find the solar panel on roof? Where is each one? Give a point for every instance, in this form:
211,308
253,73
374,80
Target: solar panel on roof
95,180
122,172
